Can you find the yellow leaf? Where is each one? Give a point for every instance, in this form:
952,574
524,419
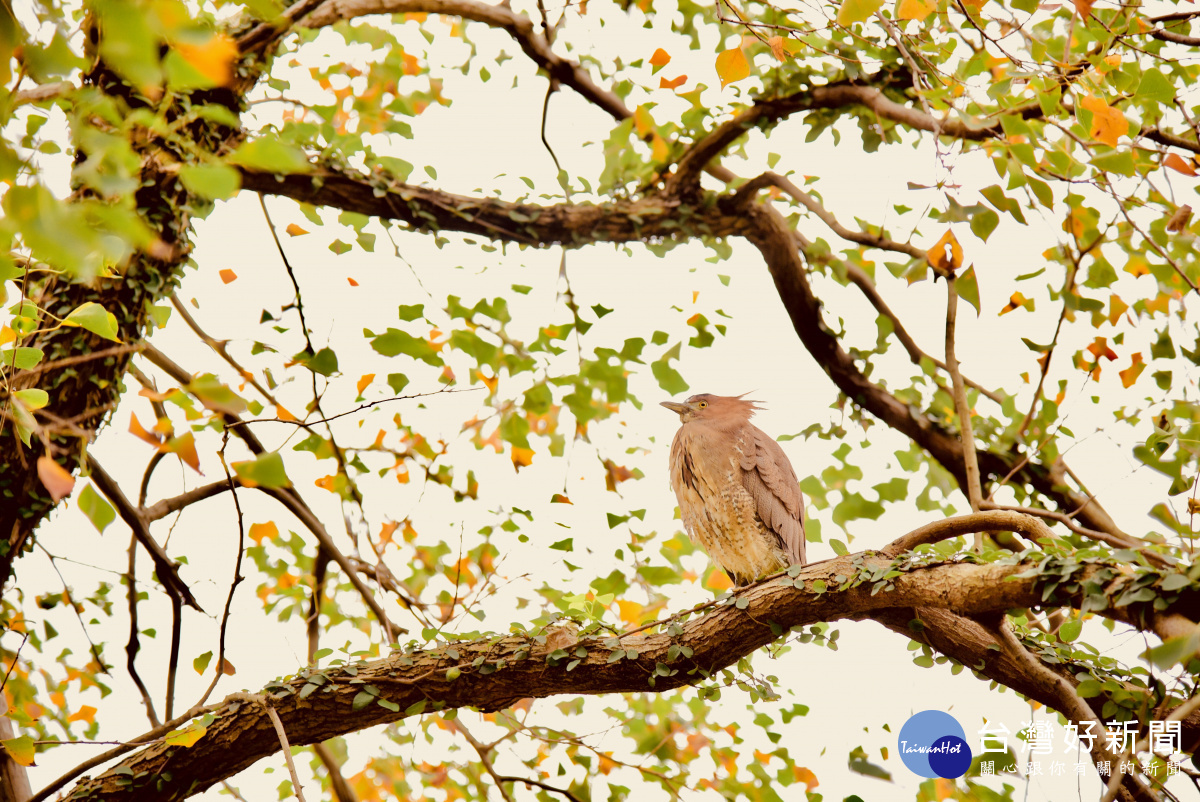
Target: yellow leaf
658,149
86,713
732,66
1108,124
135,428
629,611
643,123
365,381
943,788
1131,373
214,59
187,737
914,9
947,255
853,11
55,478
7,335
1015,302
1136,266
261,532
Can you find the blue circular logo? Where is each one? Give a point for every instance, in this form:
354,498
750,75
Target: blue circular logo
933,744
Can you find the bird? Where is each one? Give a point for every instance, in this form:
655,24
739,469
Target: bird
737,491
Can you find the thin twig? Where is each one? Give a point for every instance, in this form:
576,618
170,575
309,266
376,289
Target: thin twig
970,460
287,749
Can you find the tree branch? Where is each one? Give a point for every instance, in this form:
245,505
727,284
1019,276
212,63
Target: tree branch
519,666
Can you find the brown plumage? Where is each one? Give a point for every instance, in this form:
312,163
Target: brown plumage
737,491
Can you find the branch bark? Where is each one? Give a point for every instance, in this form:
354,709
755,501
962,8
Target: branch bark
518,666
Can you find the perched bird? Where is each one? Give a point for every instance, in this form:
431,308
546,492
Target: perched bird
737,491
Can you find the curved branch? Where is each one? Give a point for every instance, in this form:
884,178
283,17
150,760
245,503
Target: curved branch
520,667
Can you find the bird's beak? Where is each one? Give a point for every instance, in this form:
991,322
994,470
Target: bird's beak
675,406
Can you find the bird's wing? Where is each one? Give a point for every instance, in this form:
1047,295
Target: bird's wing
770,479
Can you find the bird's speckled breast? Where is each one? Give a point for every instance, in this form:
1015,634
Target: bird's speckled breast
717,510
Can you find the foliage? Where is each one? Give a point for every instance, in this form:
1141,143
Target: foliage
127,123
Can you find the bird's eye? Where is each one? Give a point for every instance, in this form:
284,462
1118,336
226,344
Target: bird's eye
702,404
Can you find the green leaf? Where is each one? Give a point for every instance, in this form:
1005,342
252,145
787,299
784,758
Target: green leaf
411,312
20,749
96,508
201,662
269,155
1120,162
1175,582
32,398
1173,651
668,378
1069,631
21,357
838,546
264,471
564,545
853,11
325,362
397,381
211,181
968,287
1156,87
95,318
128,44
394,342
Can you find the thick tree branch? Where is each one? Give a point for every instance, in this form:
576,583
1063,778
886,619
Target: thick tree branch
518,666
519,26
771,235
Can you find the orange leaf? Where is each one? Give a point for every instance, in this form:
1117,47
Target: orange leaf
1084,7
717,580
614,474
261,532
660,58
1099,348
363,382
1108,124
521,457
777,49
947,255
135,427
55,477
1015,302
805,776
674,83
1116,308
85,713
214,59
227,275
942,787
295,230
915,9
283,414
732,66
1176,163
386,531
184,447
559,498
1131,373
227,668
353,283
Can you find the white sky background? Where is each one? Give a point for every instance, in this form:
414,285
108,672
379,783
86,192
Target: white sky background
490,129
